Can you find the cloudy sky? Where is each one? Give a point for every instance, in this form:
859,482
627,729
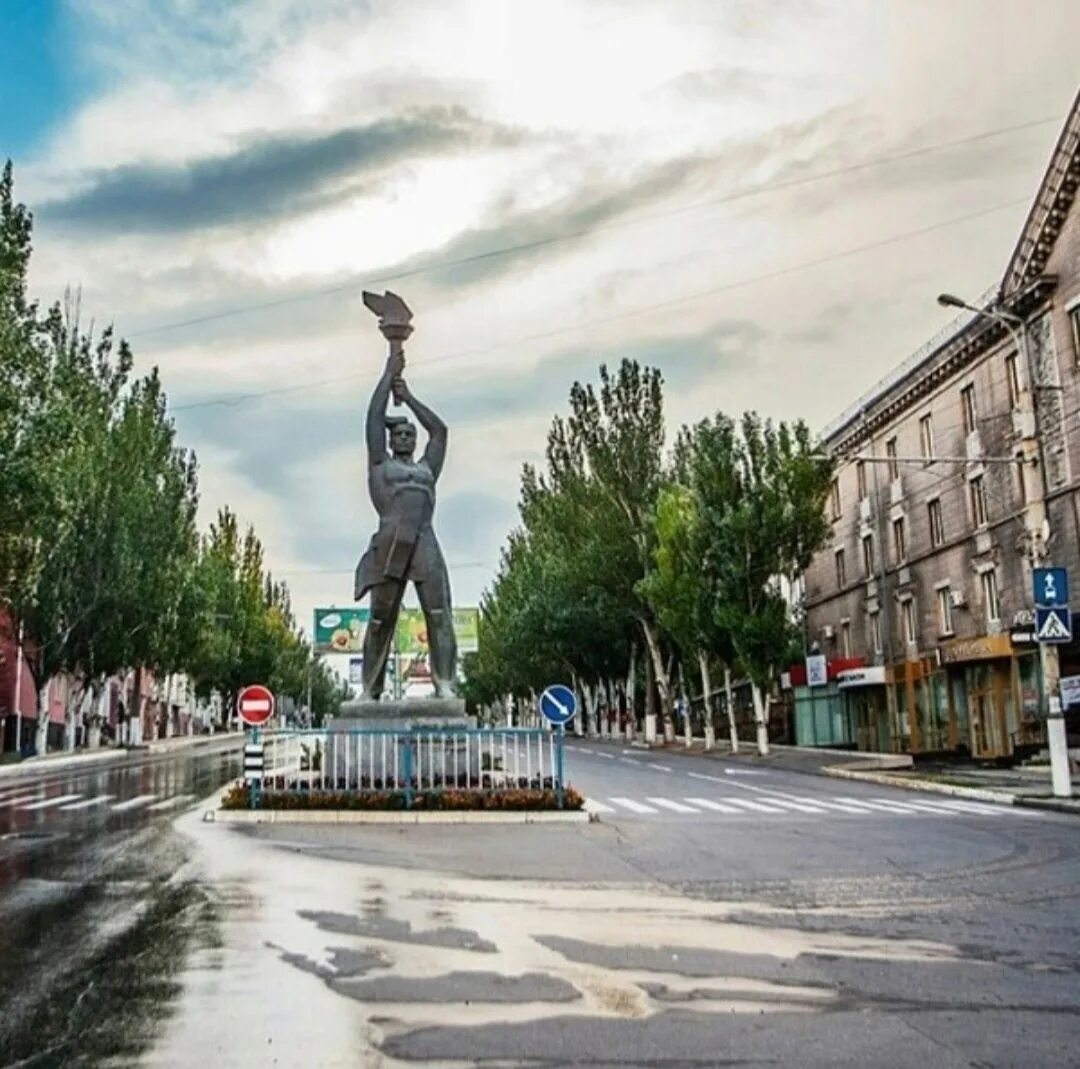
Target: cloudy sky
762,198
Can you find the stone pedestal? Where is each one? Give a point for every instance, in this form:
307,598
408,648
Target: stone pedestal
402,714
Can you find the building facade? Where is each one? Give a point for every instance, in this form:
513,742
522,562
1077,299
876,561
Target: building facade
956,475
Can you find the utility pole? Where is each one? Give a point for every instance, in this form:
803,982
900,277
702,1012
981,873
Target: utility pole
18,688
1037,522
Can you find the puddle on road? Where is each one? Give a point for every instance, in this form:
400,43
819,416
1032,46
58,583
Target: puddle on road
325,960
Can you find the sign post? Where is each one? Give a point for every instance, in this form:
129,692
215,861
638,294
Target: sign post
1053,626
558,704
255,704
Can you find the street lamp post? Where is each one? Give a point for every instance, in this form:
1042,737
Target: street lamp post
1038,529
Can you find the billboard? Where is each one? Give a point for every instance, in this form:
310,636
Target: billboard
342,631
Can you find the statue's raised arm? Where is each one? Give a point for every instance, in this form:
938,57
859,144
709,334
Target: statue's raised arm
435,453
376,414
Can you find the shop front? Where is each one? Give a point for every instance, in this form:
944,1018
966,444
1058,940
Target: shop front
865,706
821,715
993,690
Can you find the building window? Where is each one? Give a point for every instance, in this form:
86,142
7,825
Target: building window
899,539
860,472
845,639
1074,319
890,453
868,554
978,501
836,499
937,526
875,630
926,436
967,403
907,620
944,608
1012,376
841,569
990,596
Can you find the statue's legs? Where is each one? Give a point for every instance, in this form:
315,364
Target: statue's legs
379,639
434,595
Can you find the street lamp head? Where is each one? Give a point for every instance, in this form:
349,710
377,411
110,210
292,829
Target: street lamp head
947,300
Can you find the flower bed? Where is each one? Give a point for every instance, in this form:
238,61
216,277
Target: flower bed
516,799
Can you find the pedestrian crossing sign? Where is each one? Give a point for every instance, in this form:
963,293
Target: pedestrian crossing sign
1053,625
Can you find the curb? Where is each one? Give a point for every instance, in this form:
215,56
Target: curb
118,754
975,794
1054,805
404,817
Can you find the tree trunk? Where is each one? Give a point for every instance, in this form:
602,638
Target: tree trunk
730,699
760,719
631,710
706,700
41,733
590,710
663,681
78,705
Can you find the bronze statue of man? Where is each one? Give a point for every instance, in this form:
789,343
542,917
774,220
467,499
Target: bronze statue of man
404,548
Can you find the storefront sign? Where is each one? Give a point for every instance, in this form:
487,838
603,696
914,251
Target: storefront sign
817,670
874,676
983,648
1070,691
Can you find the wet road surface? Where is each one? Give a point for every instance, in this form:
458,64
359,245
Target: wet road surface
97,912
856,926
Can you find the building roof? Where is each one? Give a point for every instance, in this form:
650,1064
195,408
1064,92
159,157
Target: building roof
1056,196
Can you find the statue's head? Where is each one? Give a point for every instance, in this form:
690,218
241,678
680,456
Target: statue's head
402,433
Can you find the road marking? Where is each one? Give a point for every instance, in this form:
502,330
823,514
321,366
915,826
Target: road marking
974,807
799,807
888,807
708,803
592,806
675,807
19,799
133,803
758,806
170,803
743,772
606,756
659,768
50,802
99,800
847,806
634,807
701,775
627,761
924,807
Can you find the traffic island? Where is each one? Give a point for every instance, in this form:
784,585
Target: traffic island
241,805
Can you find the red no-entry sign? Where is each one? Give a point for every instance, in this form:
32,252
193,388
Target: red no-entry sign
255,704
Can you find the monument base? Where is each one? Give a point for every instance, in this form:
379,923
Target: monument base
401,714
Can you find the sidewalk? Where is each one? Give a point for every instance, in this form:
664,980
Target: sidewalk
63,760
1029,787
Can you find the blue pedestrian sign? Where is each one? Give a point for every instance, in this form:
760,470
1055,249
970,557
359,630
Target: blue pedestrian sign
1053,625
1051,587
558,704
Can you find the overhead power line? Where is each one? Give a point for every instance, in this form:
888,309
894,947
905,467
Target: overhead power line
576,328
615,224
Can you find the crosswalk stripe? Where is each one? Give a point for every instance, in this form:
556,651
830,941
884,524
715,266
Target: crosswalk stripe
799,807
48,803
593,806
922,807
170,803
675,807
889,807
848,805
759,807
19,799
708,803
634,807
133,803
101,799
975,807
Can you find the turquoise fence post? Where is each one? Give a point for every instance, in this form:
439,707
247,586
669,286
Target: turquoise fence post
408,771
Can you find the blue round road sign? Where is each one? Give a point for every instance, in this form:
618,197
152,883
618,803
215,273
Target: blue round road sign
558,704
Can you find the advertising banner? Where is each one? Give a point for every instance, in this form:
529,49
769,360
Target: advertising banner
340,630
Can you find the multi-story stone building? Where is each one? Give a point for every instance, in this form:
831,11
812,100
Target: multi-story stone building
956,475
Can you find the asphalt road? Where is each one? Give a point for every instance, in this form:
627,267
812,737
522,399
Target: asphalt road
90,880
714,915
